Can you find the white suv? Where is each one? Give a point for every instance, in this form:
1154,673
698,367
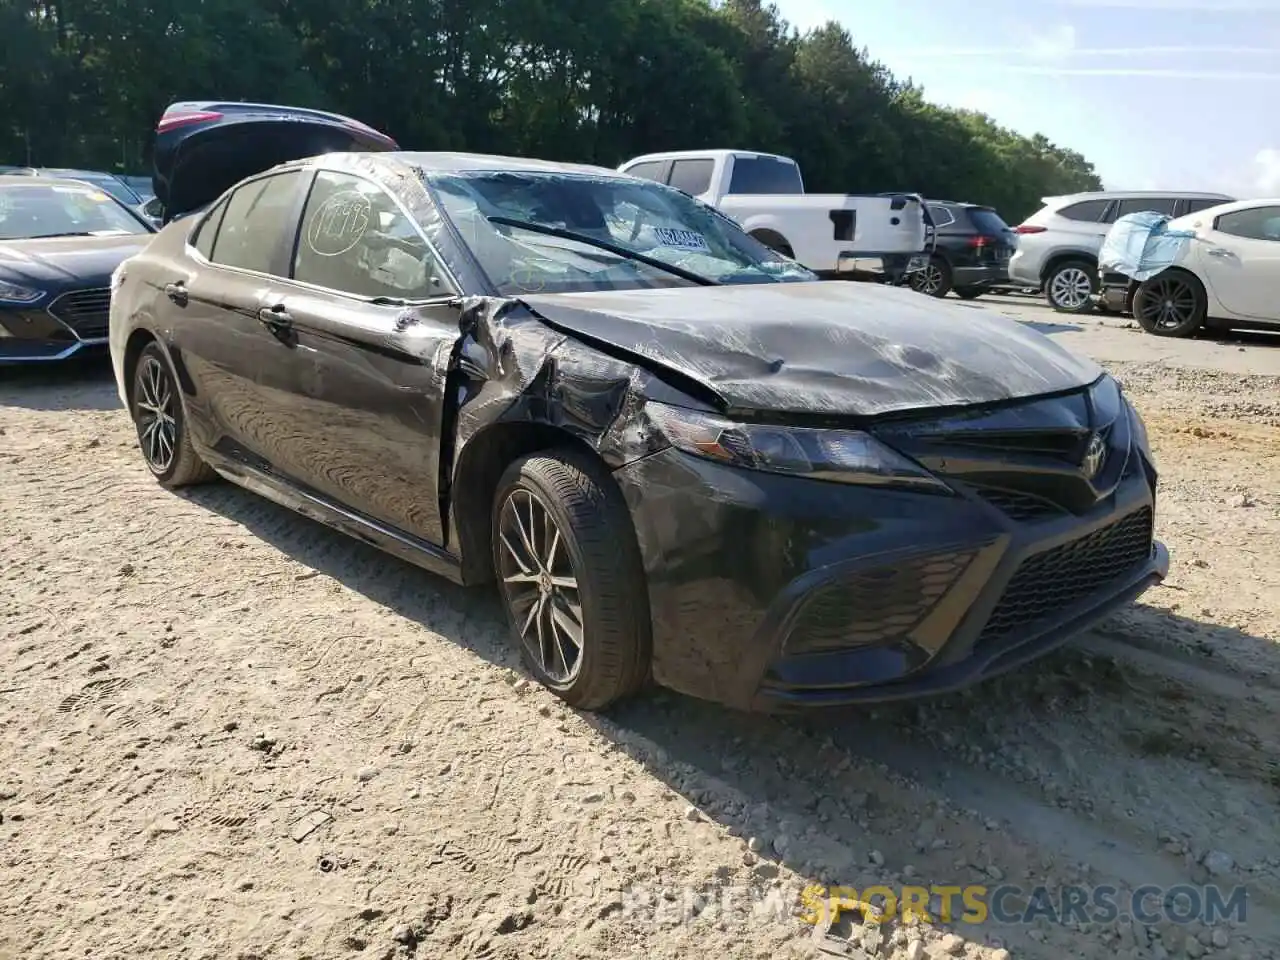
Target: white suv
1058,246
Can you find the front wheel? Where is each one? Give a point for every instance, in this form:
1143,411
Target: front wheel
570,575
1070,287
1170,305
934,280
969,293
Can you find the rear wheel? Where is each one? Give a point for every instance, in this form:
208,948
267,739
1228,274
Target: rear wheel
1070,286
934,280
1170,305
569,571
161,423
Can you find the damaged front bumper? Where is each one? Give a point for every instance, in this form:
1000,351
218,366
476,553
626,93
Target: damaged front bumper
770,592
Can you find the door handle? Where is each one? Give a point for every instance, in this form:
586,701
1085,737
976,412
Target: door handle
177,292
275,318
1219,252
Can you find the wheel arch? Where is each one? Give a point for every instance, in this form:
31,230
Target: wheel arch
480,465
1060,257
771,238
133,348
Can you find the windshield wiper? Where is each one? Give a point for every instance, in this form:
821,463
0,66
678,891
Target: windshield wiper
74,233
606,245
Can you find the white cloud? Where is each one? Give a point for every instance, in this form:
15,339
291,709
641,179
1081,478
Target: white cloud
1055,45
1267,163
1171,74
1215,6
942,53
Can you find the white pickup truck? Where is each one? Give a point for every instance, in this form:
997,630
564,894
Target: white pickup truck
880,237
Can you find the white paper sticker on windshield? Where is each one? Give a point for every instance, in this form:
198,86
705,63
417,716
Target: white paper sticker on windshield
682,239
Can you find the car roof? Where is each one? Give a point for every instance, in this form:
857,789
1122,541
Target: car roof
718,154
429,162
1232,206
468,162
20,180
1134,194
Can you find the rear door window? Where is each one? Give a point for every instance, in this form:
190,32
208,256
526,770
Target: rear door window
208,231
650,170
1166,205
1196,204
1086,211
692,176
765,175
257,217
940,216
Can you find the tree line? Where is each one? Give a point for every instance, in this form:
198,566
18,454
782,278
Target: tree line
82,83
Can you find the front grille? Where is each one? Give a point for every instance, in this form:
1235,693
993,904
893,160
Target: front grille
1062,444
84,311
875,606
1019,506
1051,581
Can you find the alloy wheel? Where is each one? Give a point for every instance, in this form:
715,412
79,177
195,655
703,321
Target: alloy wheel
1166,303
928,280
541,585
154,415
1070,288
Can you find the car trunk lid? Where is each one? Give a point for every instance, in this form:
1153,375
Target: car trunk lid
204,147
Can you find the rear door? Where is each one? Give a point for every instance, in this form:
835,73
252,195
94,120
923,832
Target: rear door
1240,259
241,368
373,318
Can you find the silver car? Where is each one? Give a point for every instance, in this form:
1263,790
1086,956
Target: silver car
1058,246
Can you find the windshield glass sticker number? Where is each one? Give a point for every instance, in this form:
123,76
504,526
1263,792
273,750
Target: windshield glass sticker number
682,239
339,224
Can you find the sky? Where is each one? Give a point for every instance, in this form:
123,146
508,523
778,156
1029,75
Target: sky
1158,94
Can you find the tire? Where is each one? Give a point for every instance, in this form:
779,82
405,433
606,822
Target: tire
597,551
934,280
1170,304
157,399
969,293
1070,285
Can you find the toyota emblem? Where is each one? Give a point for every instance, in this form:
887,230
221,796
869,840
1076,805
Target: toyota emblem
1094,456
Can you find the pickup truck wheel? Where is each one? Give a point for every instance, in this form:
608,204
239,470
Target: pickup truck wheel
1070,286
569,571
1170,305
934,280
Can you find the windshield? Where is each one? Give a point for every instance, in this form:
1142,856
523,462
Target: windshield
633,216
36,210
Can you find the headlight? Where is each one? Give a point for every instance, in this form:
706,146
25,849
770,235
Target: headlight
13,293
1140,437
842,456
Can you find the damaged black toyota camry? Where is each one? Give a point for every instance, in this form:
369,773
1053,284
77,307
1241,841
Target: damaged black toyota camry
680,458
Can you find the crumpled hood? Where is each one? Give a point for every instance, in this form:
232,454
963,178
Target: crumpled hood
830,347
59,261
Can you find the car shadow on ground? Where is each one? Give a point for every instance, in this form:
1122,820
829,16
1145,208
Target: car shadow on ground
785,781
75,384
1045,327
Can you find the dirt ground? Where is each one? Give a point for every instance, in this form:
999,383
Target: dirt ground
230,733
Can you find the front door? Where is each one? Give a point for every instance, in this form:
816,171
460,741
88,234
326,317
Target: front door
369,367
1240,258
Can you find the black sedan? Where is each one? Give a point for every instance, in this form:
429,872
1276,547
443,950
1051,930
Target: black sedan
60,240
679,458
